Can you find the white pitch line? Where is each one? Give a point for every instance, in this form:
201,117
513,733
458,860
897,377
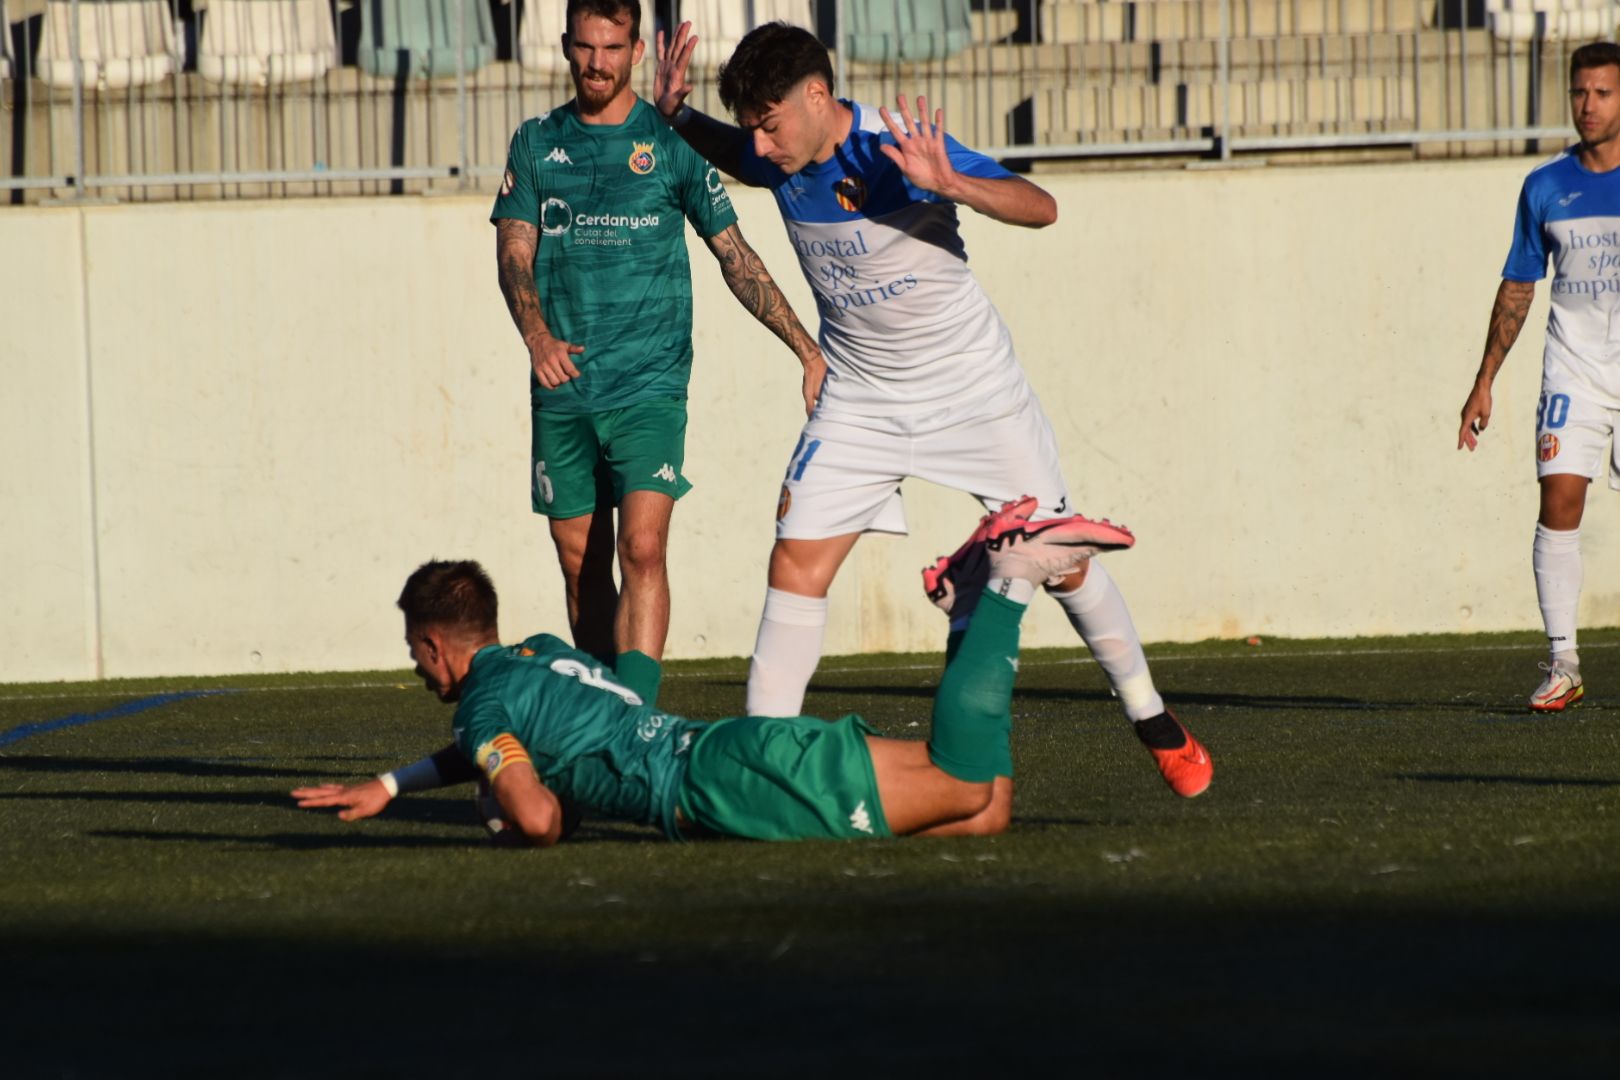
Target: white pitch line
1255,653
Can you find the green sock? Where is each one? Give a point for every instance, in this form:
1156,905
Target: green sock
972,725
639,672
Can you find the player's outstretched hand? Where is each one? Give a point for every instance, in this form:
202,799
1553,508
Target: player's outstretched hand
552,361
919,147
815,373
670,87
358,800
1476,415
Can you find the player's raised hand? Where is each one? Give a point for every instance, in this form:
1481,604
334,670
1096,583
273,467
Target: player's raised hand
358,800
1476,415
670,87
552,360
919,146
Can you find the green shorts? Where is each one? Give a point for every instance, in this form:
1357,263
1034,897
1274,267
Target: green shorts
640,447
784,778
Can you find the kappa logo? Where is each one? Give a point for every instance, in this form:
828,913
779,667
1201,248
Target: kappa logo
860,820
665,473
642,160
560,156
1571,197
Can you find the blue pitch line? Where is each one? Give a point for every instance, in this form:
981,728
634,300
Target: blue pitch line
129,708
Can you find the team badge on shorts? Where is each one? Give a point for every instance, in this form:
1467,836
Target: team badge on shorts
1547,447
642,161
783,502
851,192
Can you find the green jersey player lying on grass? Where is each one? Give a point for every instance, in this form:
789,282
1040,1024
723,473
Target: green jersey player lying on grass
548,728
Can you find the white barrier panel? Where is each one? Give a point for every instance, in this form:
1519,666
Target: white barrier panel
232,429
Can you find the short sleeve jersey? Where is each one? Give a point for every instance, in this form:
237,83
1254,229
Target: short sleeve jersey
590,739
905,327
611,202
1572,216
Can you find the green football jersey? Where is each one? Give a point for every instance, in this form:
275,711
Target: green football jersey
591,740
611,202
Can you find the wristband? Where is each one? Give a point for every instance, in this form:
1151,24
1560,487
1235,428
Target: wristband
417,776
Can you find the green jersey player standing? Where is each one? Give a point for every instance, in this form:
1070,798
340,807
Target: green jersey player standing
592,256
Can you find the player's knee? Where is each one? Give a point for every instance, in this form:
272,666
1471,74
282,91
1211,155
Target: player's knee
641,553
993,815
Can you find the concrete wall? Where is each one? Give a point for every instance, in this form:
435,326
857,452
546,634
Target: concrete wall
230,430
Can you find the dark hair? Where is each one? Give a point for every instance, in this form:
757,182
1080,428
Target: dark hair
612,10
769,61
455,595
1595,54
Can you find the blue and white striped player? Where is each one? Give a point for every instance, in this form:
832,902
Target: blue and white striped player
922,380
1569,212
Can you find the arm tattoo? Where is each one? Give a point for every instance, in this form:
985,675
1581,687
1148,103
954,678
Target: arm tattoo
1507,319
754,288
515,245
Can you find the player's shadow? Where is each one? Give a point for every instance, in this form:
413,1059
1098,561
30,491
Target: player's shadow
1520,781
172,766
292,841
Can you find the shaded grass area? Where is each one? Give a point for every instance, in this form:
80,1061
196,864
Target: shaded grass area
1397,869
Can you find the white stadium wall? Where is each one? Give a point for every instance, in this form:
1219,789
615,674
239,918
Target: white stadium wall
230,430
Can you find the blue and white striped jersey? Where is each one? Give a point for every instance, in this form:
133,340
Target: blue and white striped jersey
904,326
1572,215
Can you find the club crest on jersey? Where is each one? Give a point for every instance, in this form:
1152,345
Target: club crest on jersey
851,193
783,503
642,160
1547,447
507,182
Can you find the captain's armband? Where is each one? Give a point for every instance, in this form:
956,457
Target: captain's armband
499,752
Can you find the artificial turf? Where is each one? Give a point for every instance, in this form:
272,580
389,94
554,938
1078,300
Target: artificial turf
1397,871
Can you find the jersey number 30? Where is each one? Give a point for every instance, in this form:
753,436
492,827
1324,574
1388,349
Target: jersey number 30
1552,411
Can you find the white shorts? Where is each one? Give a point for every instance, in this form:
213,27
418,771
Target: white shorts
1575,435
844,476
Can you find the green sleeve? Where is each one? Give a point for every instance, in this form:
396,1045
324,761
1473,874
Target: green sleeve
702,193
479,722
519,198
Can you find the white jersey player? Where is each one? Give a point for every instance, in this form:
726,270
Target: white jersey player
1569,212
922,380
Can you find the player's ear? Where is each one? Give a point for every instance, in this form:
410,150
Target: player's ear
638,51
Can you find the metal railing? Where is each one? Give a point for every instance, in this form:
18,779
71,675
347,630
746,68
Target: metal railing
167,99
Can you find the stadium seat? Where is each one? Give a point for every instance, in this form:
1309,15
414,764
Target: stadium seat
908,31
539,36
1077,21
6,66
416,39
1570,24
258,42
720,24
122,43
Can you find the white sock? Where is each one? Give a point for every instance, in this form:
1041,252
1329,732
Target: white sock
1097,610
1557,560
786,652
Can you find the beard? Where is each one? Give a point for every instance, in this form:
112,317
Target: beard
593,99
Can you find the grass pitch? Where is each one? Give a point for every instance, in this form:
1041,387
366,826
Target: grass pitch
1396,870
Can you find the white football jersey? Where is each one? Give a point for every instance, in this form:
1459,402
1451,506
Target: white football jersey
905,327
